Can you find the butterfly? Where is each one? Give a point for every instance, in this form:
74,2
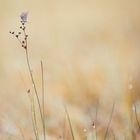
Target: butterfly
24,16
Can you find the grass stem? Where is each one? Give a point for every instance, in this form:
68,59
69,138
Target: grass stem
69,121
106,133
43,101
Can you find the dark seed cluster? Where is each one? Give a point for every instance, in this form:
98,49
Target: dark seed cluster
21,35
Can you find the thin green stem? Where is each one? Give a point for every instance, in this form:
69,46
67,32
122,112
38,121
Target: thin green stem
71,129
106,133
43,101
33,115
34,121
33,82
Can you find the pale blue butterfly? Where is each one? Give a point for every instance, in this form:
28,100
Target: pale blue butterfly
23,16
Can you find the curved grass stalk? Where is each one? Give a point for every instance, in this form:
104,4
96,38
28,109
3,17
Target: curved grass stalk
106,133
69,121
43,101
33,116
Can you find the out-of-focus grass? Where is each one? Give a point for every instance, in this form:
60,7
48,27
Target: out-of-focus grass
90,51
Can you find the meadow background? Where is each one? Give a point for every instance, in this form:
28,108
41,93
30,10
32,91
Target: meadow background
91,52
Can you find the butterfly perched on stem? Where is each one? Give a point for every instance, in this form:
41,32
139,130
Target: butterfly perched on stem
24,16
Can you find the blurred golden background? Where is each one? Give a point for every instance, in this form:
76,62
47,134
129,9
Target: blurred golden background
90,50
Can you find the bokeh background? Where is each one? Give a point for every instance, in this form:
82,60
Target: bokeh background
90,50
